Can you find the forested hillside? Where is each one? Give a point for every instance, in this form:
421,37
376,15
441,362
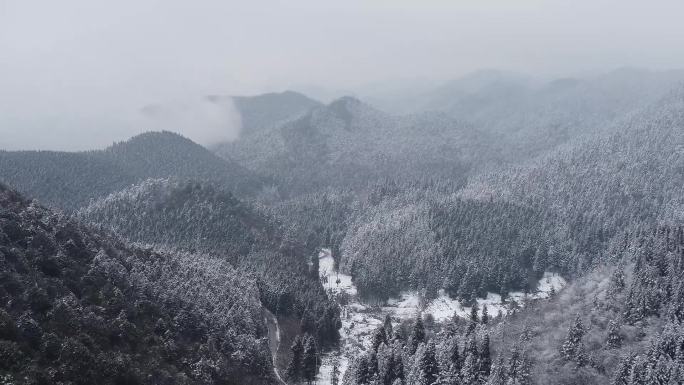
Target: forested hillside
349,144
202,218
81,307
618,325
344,192
68,180
630,177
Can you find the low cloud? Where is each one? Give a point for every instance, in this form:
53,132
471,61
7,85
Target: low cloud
205,121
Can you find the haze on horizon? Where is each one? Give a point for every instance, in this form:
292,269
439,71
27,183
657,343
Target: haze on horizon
75,74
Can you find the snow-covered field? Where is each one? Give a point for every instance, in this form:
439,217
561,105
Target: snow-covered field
359,320
332,280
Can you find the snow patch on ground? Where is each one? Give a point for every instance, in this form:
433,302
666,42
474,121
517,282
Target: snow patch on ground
548,282
359,320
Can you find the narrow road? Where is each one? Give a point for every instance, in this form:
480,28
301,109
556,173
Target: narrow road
273,341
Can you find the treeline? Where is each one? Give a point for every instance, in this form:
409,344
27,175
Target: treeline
78,306
420,352
604,185
423,236
618,325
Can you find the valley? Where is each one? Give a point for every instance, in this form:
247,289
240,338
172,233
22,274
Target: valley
496,233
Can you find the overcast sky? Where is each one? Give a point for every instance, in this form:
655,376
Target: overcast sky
75,73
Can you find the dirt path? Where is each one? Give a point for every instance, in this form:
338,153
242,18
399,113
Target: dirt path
273,341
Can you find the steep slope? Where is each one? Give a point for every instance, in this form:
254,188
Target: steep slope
69,180
634,175
422,238
620,324
78,306
348,143
191,216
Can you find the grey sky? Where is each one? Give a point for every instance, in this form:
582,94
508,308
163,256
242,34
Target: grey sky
74,73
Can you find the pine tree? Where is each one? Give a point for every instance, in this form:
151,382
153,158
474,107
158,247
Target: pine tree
539,263
429,371
388,327
524,376
417,333
398,335
469,371
310,360
498,375
335,375
470,348
398,366
473,313
485,315
360,373
372,365
294,368
617,281
307,323
514,363
614,340
573,347
622,374
453,354
385,365
379,338
485,360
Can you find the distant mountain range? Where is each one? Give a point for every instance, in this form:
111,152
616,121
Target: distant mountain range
349,143
530,116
